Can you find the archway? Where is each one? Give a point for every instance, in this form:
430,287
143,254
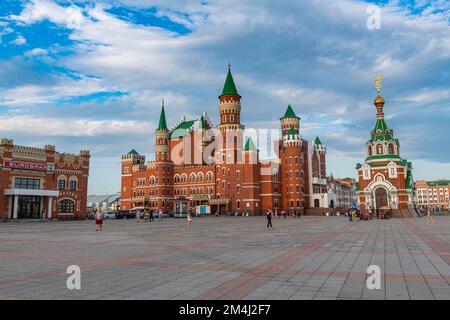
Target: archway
381,198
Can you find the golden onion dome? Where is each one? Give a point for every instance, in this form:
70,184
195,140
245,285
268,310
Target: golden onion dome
379,100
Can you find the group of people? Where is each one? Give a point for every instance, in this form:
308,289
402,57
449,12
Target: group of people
149,216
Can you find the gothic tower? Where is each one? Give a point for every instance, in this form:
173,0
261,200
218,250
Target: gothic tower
163,166
291,157
230,126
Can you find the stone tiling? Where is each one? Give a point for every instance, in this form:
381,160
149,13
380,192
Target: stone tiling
227,258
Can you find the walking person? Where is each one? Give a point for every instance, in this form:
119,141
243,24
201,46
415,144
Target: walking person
350,215
138,215
160,216
151,218
99,220
269,218
429,215
189,219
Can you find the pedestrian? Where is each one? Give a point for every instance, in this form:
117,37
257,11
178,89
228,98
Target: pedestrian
276,213
269,218
350,216
151,218
160,216
99,220
429,215
138,215
189,220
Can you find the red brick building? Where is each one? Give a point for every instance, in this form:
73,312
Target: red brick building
211,167
385,178
42,183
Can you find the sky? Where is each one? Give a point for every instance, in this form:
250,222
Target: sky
91,74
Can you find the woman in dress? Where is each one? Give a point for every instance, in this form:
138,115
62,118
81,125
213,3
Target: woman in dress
98,220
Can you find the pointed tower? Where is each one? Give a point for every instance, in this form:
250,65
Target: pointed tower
230,126
291,157
385,179
317,175
163,165
290,120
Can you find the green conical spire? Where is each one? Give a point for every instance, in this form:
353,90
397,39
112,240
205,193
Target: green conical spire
229,87
162,119
132,151
317,141
249,145
289,113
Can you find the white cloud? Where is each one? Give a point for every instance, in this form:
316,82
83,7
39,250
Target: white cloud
67,127
36,52
19,41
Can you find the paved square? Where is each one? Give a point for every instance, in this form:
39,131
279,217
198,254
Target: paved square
226,258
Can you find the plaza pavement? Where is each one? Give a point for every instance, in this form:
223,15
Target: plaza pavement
226,258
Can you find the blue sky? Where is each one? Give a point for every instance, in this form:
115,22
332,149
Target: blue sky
91,74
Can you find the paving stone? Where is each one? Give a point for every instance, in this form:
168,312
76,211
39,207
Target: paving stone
227,258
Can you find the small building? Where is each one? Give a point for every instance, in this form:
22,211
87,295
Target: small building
40,183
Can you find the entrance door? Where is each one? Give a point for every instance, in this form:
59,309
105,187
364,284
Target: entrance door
28,207
381,198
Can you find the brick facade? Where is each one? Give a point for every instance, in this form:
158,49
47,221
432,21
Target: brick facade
42,183
212,166
385,179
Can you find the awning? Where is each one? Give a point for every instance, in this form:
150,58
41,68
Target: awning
31,192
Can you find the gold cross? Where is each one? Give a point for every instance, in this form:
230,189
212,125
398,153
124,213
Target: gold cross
378,81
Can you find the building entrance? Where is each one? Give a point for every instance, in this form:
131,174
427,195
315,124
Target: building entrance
381,198
29,207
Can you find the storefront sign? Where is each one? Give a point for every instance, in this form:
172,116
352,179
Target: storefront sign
29,166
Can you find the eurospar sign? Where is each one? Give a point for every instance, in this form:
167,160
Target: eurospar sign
29,166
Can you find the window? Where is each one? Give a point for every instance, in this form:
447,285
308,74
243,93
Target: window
61,184
370,150
73,185
379,149
391,148
231,118
66,206
25,183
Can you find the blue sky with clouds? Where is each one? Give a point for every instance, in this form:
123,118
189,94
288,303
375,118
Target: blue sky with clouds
91,74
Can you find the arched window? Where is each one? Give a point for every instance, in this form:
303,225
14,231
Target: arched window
238,189
200,177
391,148
369,150
379,149
192,178
238,174
73,183
66,206
62,179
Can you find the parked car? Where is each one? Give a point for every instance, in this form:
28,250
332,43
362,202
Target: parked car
129,214
109,215
156,214
121,214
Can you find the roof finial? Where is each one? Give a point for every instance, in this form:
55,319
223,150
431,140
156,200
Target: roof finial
229,65
378,81
162,102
